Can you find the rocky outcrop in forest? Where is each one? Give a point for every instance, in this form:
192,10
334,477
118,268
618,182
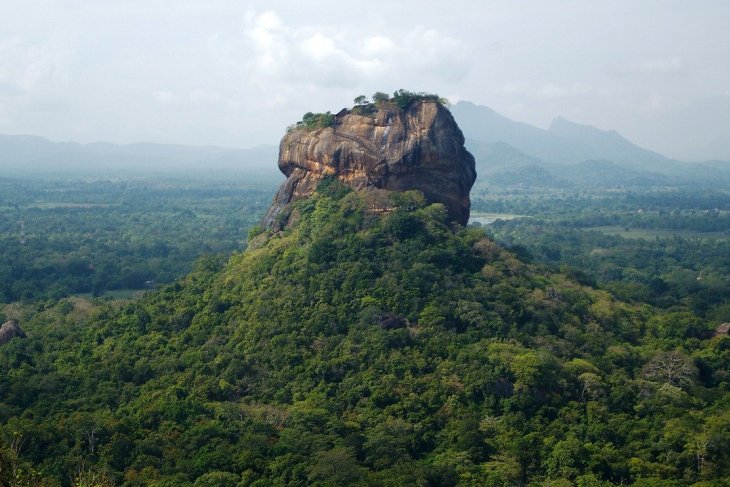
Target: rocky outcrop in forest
419,147
9,330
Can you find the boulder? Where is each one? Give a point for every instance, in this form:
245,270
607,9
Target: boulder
9,330
417,148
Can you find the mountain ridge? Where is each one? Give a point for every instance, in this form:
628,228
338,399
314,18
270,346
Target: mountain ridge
563,142
28,154
566,147
559,152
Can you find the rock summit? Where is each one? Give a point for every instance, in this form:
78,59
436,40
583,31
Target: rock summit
385,146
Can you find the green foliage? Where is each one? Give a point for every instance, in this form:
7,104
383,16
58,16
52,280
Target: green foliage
312,121
404,98
275,368
71,237
380,97
683,268
401,98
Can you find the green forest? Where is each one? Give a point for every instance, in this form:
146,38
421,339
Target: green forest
65,237
393,349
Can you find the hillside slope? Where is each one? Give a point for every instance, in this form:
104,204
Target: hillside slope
358,348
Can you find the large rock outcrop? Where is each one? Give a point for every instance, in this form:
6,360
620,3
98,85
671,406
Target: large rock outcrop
9,330
419,148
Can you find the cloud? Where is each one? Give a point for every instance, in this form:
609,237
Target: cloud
165,97
33,82
27,68
547,91
275,56
663,67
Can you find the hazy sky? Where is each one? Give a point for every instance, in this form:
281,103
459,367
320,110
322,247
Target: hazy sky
236,73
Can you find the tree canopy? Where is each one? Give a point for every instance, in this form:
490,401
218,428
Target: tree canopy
275,368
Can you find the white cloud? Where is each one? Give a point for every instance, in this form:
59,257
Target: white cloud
275,56
33,83
319,48
664,67
547,91
268,42
165,97
27,68
377,46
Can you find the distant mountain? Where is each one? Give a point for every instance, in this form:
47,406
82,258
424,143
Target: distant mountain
564,142
500,155
25,154
600,172
484,125
502,165
572,152
596,144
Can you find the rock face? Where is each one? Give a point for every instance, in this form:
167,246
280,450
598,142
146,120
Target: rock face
419,148
10,330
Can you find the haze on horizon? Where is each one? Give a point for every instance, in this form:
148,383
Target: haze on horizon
235,74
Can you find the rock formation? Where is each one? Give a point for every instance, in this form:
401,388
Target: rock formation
10,330
417,148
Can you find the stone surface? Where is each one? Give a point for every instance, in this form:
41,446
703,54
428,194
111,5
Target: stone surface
419,148
10,330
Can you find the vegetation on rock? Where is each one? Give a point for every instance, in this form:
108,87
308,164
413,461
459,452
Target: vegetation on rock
311,121
401,98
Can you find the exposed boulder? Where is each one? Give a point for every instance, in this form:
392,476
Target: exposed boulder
391,322
9,330
417,148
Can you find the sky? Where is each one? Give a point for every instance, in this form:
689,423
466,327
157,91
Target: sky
236,73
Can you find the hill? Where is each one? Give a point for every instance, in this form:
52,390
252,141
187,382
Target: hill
370,340
368,349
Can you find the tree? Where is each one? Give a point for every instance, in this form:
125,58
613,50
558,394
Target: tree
217,479
591,386
361,100
388,443
337,466
380,97
674,368
6,468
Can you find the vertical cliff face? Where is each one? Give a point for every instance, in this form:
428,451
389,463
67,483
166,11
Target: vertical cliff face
419,148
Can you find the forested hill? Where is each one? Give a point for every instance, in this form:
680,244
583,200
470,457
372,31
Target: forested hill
366,349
